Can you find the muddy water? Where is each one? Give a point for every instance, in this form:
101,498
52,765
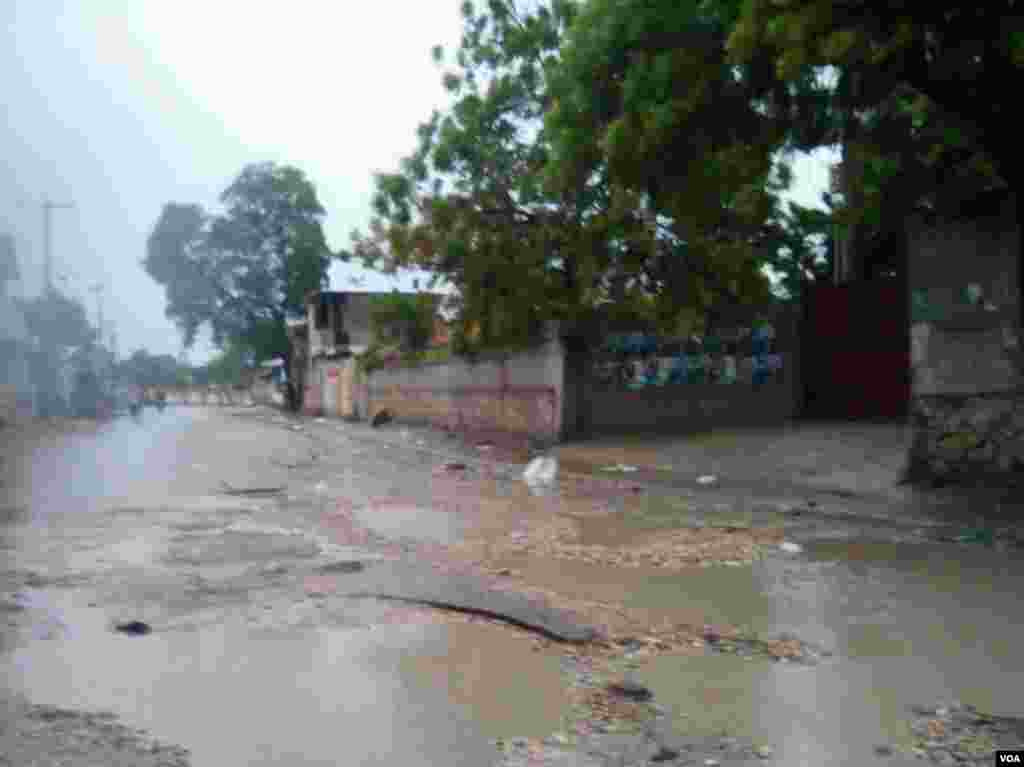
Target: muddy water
234,695
907,624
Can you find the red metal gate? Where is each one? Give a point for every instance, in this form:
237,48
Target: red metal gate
856,350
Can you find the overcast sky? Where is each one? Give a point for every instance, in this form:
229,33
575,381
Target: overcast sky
123,105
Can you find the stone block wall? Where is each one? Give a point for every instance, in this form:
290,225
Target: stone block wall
967,407
965,438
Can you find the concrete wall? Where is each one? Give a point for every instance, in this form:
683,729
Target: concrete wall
968,393
691,407
335,383
208,396
519,393
687,407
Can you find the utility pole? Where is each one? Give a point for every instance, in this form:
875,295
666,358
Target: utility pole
48,207
98,290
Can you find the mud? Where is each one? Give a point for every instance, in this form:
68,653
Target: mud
752,655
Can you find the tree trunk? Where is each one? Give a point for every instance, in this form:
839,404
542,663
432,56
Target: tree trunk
1019,222
291,388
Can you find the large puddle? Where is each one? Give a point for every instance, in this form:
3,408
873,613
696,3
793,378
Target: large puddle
234,695
907,624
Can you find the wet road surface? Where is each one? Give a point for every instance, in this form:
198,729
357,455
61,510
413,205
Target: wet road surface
246,667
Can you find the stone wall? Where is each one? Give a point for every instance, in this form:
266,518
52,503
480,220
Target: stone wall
963,438
967,408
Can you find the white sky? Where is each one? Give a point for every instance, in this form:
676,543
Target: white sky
124,105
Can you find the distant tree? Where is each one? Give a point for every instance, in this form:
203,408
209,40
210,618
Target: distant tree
244,271
145,369
59,325
57,321
227,367
404,320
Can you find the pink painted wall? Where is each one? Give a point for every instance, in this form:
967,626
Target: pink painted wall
520,393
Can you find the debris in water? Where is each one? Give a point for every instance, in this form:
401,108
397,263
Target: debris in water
134,628
884,749
345,566
270,490
764,752
381,418
707,479
321,420
665,754
484,445
630,690
274,568
621,467
791,548
541,471
454,466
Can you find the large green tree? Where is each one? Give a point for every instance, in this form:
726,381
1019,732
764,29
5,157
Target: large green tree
243,271
920,97
481,204
645,91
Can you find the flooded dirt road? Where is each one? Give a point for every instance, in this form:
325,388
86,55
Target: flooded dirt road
256,656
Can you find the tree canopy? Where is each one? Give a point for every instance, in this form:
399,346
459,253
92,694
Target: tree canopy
918,97
525,213
145,369
244,270
58,321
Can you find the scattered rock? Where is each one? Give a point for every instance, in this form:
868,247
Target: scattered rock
630,690
454,466
711,634
381,418
764,752
134,628
505,571
274,568
936,728
665,754
883,749
711,762
707,479
790,548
